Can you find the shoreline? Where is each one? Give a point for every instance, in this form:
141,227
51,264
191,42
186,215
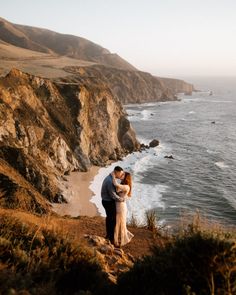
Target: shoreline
77,192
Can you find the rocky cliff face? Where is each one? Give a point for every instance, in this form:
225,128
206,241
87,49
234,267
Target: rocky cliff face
48,129
178,86
127,86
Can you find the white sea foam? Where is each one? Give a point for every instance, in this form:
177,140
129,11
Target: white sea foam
191,112
220,101
145,197
146,115
212,152
230,199
221,165
147,104
133,115
143,140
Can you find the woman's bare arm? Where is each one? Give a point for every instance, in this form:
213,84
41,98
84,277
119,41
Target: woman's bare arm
121,187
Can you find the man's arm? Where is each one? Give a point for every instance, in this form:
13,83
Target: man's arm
113,194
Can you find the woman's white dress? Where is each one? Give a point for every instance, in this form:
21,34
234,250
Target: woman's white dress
122,236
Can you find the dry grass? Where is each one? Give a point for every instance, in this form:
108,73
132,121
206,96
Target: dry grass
199,223
40,256
196,260
46,248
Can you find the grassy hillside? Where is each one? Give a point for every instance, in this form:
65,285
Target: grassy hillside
49,42
49,255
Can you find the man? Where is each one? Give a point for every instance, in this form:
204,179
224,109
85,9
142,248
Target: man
109,198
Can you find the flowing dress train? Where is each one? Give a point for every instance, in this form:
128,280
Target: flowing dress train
122,236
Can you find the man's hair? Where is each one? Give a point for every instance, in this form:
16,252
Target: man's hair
118,168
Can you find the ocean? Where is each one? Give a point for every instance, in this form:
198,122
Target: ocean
199,131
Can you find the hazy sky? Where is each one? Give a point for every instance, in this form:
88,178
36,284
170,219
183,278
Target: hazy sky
164,37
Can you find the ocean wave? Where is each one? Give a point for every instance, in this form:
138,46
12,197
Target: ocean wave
146,104
212,152
133,115
146,115
221,165
231,200
145,197
220,101
143,140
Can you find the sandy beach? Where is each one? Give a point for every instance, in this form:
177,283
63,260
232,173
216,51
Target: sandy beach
77,193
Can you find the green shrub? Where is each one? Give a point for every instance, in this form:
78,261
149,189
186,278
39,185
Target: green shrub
197,263
44,262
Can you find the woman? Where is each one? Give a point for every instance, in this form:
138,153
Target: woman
122,236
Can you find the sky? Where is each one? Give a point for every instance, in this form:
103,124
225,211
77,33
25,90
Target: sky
172,38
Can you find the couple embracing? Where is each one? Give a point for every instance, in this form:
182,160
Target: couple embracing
114,194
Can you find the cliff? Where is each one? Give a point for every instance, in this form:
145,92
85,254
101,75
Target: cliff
127,86
178,86
48,129
50,54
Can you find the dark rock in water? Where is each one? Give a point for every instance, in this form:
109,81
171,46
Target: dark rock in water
143,146
154,143
169,157
213,122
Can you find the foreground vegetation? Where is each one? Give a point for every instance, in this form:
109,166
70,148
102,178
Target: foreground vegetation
44,262
196,263
39,260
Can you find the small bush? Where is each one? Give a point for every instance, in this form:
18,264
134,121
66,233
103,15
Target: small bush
44,262
151,220
196,263
133,222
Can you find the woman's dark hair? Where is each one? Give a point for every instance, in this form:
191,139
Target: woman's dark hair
128,180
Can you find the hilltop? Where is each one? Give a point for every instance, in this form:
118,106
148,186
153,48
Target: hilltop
51,55
56,44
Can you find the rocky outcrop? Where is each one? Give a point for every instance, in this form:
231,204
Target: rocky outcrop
114,261
16,192
127,86
178,86
48,129
154,143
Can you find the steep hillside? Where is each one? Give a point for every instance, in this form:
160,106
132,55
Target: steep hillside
48,129
178,86
127,86
50,42
50,54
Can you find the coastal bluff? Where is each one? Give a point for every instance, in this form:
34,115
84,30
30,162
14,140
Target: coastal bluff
127,86
178,86
52,55
48,129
